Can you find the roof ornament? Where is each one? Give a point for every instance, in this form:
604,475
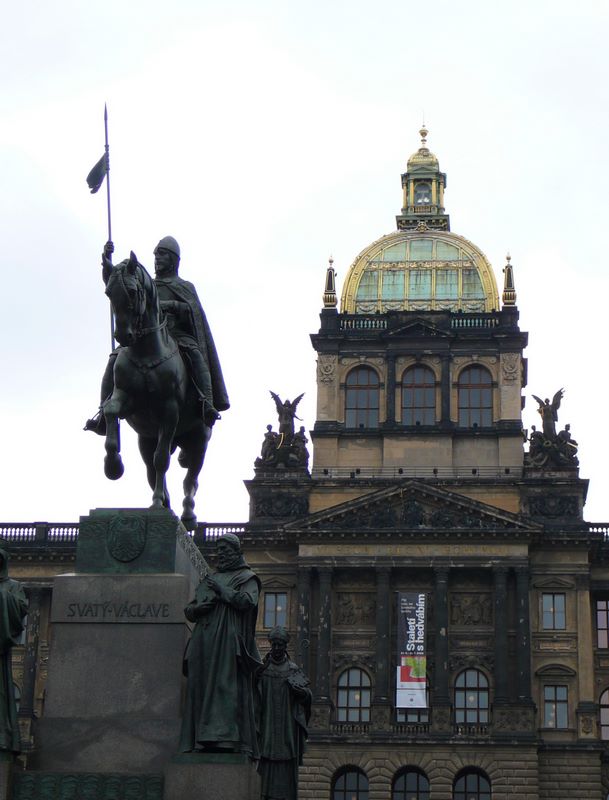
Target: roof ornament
509,291
330,300
423,134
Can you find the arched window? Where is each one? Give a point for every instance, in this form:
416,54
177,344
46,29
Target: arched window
350,784
422,194
410,784
604,704
362,398
471,698
472,785
418,396
353,696
475,397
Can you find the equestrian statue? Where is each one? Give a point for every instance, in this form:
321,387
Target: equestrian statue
164,378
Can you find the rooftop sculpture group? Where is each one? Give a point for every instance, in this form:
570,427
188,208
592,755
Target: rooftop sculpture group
286,449
547,448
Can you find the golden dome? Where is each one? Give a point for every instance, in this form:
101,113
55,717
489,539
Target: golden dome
423,156
420,270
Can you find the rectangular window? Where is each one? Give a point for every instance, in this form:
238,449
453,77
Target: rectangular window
602,623
553,612
447,284
393,285
368,285
275,609
555,707
419,287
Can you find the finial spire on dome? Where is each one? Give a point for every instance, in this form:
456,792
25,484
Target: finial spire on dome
330,300
509,290
423,134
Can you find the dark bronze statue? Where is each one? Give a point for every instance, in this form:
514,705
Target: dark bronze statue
286,449
13,608
165,377
222,658
285,708
549,449
286,411
548,412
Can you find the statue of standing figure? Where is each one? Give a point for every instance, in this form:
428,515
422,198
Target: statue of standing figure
285,708
222,658
13,608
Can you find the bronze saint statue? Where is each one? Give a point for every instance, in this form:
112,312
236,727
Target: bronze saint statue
165,376
285,707
13,608
222,658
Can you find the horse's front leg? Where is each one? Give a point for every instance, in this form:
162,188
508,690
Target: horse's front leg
162,453
113,464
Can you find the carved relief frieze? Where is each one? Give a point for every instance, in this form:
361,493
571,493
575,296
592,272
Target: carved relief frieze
554,507
460,661
326,367
355,608
471,609
555,644
510,367
343,661
513,719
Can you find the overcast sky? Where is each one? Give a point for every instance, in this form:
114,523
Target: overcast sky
265,136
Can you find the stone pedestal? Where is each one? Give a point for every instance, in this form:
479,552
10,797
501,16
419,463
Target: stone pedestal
214,776
115,668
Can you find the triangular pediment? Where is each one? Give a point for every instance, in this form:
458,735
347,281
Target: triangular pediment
553,583
418,328
413,506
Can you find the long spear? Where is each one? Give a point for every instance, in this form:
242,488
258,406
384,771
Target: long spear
94,180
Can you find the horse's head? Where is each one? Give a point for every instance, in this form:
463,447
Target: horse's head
134,299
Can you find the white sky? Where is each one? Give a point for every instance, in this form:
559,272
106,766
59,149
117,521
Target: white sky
265,136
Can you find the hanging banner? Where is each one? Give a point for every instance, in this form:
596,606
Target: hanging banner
411,683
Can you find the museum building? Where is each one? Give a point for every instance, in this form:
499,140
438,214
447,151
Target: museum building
422,484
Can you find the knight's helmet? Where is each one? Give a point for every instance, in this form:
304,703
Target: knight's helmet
169,243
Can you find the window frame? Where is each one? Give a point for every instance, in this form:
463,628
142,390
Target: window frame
604,645
427,410
559,706
360,712
552,614
360,412
272,593
480,690
405,793
344,792
471,414
603,727
465,793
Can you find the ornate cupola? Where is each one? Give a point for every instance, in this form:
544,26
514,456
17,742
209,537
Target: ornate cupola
423,192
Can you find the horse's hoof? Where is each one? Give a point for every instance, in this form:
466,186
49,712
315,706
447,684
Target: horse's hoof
113,467
189,521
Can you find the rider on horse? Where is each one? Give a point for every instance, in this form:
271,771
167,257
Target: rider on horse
188,326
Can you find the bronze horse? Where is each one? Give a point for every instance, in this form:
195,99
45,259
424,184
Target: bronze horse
152,390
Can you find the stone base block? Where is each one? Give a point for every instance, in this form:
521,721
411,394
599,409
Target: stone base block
211,776
6,775
105,744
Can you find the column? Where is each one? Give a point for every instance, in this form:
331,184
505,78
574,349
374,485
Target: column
445,390
383,634
523,647
501,637
302,619
390,388
586,709
324,636
441,694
